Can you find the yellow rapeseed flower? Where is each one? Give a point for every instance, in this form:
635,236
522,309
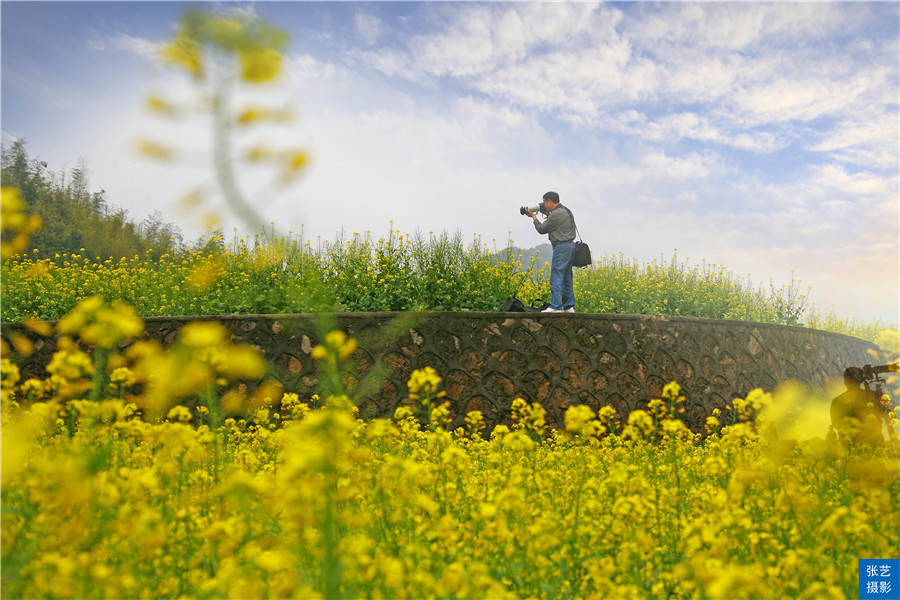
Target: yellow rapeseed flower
155,150
577,417
160,105
260,65
203,334
424,382
17,227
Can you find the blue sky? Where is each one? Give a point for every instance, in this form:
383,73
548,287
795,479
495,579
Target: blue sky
760,137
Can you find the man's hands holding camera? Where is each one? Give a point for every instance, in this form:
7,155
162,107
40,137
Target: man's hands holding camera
529,211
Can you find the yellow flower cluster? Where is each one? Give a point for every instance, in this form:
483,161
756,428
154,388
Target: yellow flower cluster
201,367
201,363
17,225
425,399
337,347
256,44
100,325
580,420
424,382
530,417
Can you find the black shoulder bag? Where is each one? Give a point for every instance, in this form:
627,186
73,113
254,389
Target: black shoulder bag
582,255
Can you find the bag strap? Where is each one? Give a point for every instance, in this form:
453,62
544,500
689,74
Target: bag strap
573,221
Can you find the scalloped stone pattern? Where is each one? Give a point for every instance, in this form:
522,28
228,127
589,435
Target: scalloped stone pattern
488,359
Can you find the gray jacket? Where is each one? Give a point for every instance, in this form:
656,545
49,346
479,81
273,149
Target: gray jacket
559,224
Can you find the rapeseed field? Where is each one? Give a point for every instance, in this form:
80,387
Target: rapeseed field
151,472
397,272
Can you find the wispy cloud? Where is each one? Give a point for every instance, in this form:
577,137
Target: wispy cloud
123,42
755,70
369,27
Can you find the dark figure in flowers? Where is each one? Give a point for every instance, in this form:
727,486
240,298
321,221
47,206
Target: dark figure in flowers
560,228
856,414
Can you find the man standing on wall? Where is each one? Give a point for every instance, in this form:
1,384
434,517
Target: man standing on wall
560,228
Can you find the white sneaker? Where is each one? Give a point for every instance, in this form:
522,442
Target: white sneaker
551,309
570,309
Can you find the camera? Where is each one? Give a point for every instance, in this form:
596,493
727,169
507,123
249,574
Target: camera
869,375
539,208
872,373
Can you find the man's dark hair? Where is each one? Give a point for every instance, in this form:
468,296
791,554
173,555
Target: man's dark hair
854,374
552,197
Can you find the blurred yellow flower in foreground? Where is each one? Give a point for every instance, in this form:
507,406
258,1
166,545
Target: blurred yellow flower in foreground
337,346
17,226
102,325
203,334
260,65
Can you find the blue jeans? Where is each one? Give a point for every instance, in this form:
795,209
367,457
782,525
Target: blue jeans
562,294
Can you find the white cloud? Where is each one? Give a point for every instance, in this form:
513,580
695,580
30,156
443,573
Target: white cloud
463,50
690,166
739,26
389,62
864,137
142,47
368,27
304,69
856,184
741,63
478,39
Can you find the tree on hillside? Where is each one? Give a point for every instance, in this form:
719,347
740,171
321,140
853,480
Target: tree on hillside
158,234
76,220
29,175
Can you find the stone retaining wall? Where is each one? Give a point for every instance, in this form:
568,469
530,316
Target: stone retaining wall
488,359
